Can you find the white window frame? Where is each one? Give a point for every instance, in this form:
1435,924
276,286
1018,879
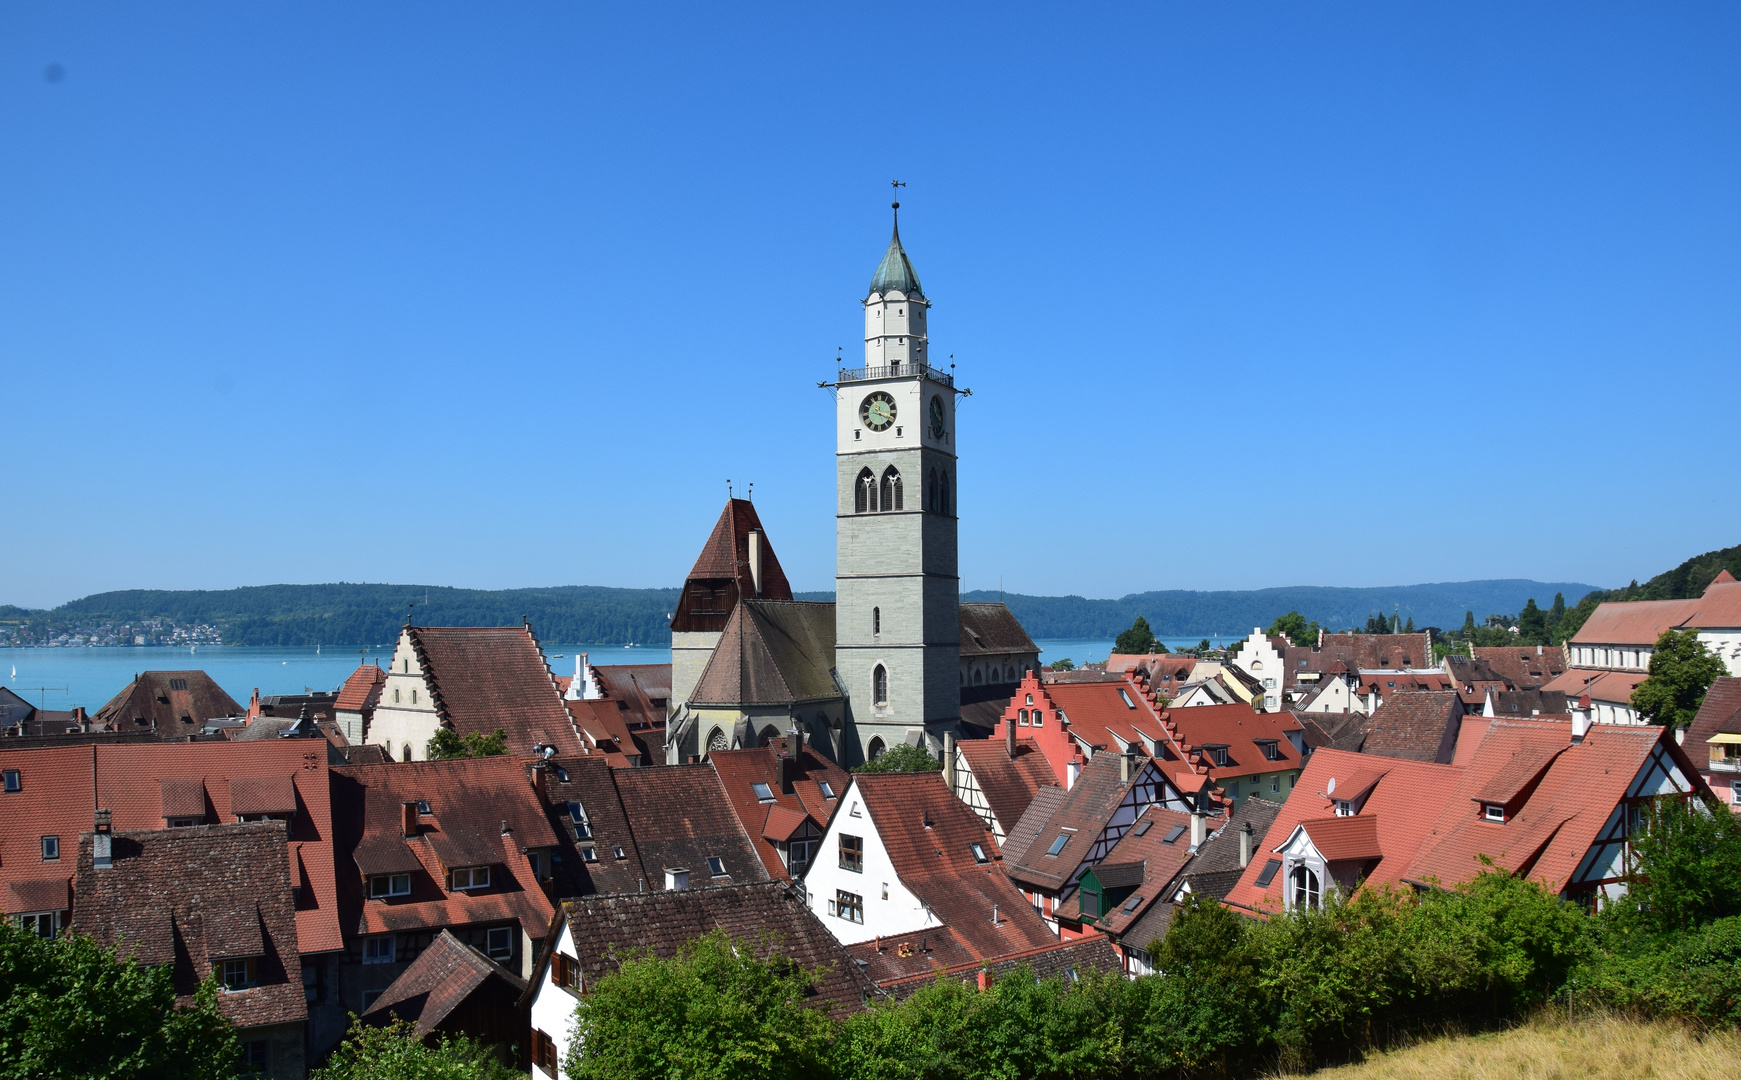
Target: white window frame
471,876
382,886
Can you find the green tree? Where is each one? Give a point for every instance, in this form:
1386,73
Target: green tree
1532,625
1295,628
1468,625
71,1009
1377,624
1066,664
1409,628
448,743
1681,670
902,758
1556,615
395,1052
1684,872
1138,639
721,1009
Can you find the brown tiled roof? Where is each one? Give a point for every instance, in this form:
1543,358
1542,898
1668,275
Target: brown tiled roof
468,798
1525,667
590,781
1515,703
1009,784
1611,686
1022,835
937,863
1420,725
1635,622
37,894
772,652
361,690
194,897
1340,731
601,726
484,678
992,629
681,815
1719,606
721,574
151,702
1357,652
608,929
740,770
1719,714
1215,868
61,784
1081,815
923,953
442,977
1155,860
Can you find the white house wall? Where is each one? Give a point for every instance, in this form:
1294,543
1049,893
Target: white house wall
553,1009
900,913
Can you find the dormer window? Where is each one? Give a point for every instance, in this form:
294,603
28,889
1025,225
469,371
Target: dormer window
1493,811
382,886
469,877
1271,748
241,973
1344,808
1217,754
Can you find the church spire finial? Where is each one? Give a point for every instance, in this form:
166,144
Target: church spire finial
895,272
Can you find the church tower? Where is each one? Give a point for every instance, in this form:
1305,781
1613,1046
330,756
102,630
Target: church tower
897,623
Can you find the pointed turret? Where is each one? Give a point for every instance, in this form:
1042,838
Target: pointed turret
895,273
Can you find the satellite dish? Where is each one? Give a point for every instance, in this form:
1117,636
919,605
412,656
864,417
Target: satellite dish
1330,788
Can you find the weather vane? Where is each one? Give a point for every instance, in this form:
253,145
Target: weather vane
897,185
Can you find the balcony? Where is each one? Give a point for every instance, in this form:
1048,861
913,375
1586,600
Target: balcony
896,371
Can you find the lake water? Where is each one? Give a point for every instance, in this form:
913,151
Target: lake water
63,678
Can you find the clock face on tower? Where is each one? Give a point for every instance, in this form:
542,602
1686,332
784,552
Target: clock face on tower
877,412
936,417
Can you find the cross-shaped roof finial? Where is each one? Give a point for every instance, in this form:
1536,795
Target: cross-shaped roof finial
897,185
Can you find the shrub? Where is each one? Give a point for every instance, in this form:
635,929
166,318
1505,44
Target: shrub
395,1052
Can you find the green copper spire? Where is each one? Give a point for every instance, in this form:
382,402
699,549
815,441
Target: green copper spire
895,272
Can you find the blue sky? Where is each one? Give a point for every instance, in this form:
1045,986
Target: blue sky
1248,295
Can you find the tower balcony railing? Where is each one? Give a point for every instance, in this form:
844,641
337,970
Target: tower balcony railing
903,369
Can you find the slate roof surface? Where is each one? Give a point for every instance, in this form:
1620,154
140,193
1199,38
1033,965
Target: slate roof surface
441,978
1720,713
482,678
60,785
1575,790
740,770
468,798
1419,725
194,897
608,929
362,690
937,864
681,815
152,698
1522,665
772,652
1009,784
992,629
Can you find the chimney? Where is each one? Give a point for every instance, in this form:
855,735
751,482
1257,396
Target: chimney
788,772
101,841
983,981
1246,839
755,539
1200,818
1126,761
1071,772
409,817
1581,720
505,830
1009,737
949,760
676,877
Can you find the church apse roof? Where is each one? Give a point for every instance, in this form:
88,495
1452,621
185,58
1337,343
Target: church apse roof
772,652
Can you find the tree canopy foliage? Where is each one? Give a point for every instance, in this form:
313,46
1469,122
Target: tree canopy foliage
1681,670
71,1009
1138,639
448,743
395,1051
901,759
1296,629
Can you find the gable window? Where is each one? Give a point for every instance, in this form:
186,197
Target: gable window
395,695
241,974
852,853
50,848
378,950
12,780
544,1052
565,971
470,877
182,822
716,866
1039,718
499,943
1022,717
849,906
1058,844
979,854
1303,887
382,886
764,792
1030,699
405,752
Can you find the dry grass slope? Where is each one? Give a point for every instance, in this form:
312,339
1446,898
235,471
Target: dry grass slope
1548,1048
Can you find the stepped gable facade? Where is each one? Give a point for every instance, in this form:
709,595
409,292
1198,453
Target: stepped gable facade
169,704
453,989
1418,725
783,794
471,680
203,901
464,845
1713,740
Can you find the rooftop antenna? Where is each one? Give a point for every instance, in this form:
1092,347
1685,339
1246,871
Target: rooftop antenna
408,608
750,492
728,487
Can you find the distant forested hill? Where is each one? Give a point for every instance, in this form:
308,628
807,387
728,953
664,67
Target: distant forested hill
348,614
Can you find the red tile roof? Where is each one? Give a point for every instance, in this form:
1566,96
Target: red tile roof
681,816
1636,622
1610,686
484,678
362,690
1344,839
1525,667
1720,606
721,575
1241,728
777,820
469,799
937,864
61,785
1009,784
439,981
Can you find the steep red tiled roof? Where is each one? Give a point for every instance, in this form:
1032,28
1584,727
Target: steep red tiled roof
590,782
608,929
721,574
469,798
681,816
938,866
60,786
1611,686
482,678
362,689
1561,796
172,704
1241,728
192,898
1526,667
1635,622
1341,839
740,770
1720,713
1386,683
1404,802
601,725
1419,725
1009,784
442,977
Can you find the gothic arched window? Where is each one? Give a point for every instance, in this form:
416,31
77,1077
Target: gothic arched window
931,492
769,734
891,489
1304,886
864,497
405,752
880,685
876,749
716,740
978,676
876,620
